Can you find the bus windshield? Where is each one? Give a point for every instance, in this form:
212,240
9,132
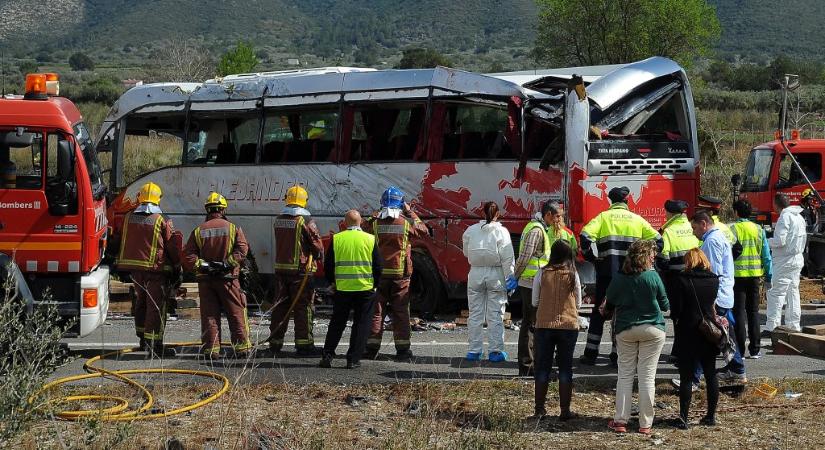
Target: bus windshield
758,170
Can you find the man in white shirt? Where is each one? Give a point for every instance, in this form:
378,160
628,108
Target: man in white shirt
787,248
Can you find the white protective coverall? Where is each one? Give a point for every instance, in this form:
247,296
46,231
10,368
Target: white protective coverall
787,247
490,251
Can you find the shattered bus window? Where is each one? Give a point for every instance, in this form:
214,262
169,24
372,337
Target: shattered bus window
543,140
299,136
656,111
387,133
223,138
473,131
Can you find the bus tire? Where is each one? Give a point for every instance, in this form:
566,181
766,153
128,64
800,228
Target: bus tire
427,291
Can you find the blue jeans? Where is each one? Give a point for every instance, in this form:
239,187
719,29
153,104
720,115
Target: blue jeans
551,342
737,364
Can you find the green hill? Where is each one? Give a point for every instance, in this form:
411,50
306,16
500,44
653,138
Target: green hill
760,29
475,33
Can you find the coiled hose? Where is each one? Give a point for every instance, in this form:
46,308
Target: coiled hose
121,409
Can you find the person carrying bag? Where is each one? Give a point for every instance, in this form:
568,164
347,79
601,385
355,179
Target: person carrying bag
693,311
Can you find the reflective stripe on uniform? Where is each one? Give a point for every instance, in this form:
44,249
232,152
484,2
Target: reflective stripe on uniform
396,229
749,263
535,263
153,251
678,239
615,229
294,224
353,260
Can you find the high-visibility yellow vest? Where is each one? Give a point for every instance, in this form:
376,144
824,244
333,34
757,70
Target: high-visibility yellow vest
564,235
615,229
749,263
353,260
536,262
678,238
725,230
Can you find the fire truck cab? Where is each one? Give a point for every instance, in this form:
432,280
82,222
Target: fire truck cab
769,171
52,203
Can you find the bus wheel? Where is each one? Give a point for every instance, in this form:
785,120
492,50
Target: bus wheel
426,288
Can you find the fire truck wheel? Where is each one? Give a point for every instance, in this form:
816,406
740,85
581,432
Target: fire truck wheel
426,288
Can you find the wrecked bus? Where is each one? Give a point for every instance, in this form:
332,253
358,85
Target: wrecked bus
450,139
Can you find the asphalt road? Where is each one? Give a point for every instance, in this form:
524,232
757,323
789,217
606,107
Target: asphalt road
438,355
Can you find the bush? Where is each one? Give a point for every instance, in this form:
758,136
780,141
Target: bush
100,89
29,353
422,58
27,67
81,61
240,59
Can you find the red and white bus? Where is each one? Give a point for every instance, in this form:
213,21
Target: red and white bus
451,140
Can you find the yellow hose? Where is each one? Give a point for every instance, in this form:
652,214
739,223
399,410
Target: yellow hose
121,411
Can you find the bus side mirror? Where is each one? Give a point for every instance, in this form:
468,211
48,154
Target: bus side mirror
65,160
736,180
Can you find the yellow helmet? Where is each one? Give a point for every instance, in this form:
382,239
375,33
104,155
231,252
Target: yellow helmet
296,195
150,193
215,200
807,193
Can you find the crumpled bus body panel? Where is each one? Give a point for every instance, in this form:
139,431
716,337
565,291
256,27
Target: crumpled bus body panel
656,158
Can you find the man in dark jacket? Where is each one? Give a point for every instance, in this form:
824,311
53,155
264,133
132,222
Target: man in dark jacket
352,266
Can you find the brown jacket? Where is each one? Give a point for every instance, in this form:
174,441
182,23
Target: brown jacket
149,242
291,252
393,237
216,240
557,299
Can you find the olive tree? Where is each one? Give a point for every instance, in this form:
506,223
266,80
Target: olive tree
592,32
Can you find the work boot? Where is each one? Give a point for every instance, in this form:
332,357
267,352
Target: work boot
540,399
158,350
242,354
371,353
306,352
404,355
326,361
565,397
143,345
614,360
353,364
587,360
708,421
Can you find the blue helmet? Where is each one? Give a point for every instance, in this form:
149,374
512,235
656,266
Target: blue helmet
392,198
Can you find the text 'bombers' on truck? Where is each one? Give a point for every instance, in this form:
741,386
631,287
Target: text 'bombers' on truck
52,203
450,139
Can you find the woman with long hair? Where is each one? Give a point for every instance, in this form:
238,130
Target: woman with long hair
557,295
693,300
489,250
637,297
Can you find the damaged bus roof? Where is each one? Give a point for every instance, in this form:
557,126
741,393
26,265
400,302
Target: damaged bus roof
326,85
606,85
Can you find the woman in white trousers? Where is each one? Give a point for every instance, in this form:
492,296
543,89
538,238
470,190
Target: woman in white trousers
488,248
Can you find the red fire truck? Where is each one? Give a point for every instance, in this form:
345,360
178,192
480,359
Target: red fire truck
52,202
790,167
450,139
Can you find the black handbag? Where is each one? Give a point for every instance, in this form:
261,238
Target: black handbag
709,328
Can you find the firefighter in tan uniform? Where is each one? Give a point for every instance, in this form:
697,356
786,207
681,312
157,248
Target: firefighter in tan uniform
393,228
296,239
215,251
150,249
